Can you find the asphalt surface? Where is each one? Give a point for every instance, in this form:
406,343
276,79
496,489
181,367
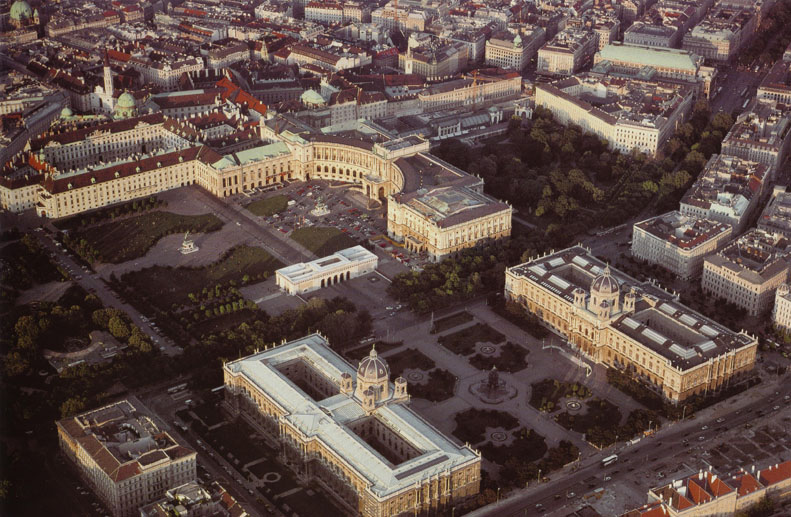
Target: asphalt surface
567,486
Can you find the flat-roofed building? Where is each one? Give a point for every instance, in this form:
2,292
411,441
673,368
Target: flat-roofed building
514,51
727,190
721,34
341,266
634,326
762,134
747,271
630,114
123,455
678,243
776,217
194,499
349,430
566,53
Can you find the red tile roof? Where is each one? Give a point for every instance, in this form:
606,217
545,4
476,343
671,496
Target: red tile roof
775,473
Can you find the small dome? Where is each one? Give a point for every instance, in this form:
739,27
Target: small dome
20,10
372,368
66,112
605,283
126,101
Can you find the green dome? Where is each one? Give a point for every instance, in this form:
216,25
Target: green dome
126,101
66,112
20,10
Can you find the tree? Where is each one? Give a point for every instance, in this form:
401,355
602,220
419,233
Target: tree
72,406
118,328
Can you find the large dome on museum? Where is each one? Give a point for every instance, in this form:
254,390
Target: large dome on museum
20,10
372,368
605,283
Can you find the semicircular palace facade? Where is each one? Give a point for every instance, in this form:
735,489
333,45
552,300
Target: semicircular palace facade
432,206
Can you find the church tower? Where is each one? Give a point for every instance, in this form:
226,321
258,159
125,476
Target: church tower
108,77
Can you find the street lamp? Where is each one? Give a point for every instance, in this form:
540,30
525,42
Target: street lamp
498,495
539,476
684,412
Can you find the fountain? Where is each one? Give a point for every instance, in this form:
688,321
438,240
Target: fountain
492,389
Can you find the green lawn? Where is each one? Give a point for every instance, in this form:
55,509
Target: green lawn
511,359
463,341
438,388
545,394
354,355
472,423
528,446
130,238
448,322
165,286
409,358
323,241
269,206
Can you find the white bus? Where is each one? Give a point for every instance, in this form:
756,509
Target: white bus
609,460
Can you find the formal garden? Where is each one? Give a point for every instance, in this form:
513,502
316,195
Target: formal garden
92,217
322,241
131,237
424,379
269,206
521,454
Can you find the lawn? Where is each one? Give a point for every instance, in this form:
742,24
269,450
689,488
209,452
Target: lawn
528,446
600,421
472,423
409,358
448,322
354,355
511,359
165,286
463,341
130,238
544,395
438,388
323,241
269,206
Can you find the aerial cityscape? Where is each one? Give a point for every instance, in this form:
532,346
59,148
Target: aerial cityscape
308,258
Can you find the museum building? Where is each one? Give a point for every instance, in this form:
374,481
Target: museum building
349,430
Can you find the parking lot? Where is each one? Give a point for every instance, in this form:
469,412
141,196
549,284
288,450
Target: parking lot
348,210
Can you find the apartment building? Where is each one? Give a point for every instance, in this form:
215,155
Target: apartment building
514,51
566,53
678,243
747,271
630,114
762,134
728,189
124,457
776,217
721,33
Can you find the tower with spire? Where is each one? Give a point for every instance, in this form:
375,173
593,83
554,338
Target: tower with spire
108,76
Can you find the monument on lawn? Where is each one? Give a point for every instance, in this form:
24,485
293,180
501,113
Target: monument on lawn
188,245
